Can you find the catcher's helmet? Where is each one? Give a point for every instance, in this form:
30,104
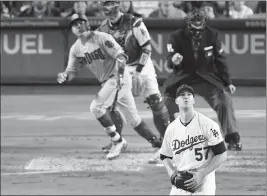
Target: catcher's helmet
117,119
110,8
76,17
196,22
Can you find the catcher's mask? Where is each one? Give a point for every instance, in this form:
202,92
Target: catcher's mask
196,23
111,8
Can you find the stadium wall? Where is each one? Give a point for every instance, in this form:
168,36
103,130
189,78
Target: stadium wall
33,51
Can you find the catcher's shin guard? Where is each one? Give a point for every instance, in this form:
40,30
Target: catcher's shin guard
160,113
143,130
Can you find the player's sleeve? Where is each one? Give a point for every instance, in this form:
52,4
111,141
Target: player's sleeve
110,45
141,33
72,61
215,139
213,134
166,148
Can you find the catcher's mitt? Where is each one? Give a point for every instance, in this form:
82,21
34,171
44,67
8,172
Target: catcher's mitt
179,177
136,85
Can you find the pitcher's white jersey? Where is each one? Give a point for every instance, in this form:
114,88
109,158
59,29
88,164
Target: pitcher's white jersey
189,145
98,53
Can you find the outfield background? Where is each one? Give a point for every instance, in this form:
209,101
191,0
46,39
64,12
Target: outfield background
33,51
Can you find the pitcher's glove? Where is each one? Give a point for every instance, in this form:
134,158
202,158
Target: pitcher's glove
136,85
179,177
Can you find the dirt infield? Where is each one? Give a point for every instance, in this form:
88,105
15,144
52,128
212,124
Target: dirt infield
50,144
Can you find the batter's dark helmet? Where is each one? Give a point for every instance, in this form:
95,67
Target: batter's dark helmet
76,17
117,119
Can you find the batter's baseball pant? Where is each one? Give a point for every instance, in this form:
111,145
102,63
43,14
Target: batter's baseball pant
126,103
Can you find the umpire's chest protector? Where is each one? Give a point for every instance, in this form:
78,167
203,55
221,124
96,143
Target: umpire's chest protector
199,60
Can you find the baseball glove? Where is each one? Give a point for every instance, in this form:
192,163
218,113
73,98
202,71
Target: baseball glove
179,177
136,85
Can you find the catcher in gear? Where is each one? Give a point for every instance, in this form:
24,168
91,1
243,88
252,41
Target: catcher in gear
131,33
195,144
105,58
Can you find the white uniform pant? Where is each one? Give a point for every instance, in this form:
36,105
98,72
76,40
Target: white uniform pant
125,103
175,191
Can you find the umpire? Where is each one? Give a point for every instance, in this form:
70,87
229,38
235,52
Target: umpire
197,59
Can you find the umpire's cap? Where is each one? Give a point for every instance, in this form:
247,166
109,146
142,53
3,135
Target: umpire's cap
76,17
185,87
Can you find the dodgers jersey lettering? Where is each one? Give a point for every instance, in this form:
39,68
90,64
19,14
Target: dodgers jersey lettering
98,53
189,145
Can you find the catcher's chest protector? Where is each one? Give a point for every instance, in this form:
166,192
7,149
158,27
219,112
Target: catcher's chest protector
124,35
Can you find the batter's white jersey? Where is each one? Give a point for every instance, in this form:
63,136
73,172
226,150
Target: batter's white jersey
189,147
98,53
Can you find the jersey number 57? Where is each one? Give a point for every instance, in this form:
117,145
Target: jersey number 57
201,152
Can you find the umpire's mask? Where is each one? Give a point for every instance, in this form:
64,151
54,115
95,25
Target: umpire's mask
196,23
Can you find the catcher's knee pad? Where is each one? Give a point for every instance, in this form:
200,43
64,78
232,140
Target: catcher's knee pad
157,105
155,102
97,109
160,112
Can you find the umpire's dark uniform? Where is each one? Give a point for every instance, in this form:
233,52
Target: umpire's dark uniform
205,69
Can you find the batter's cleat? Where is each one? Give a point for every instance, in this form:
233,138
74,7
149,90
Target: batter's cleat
155,159
116,149
234,146
107,148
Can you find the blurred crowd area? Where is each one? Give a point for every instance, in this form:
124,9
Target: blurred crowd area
145,9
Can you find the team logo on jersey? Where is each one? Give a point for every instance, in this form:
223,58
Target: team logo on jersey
215,133
143,32
95,55
180,146
109,44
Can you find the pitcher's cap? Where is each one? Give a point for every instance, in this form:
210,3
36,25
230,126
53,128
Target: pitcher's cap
185,87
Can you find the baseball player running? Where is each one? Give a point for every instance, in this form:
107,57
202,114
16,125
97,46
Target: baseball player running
132,34
195,143
105,58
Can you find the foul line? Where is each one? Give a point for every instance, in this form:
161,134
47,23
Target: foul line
34,172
